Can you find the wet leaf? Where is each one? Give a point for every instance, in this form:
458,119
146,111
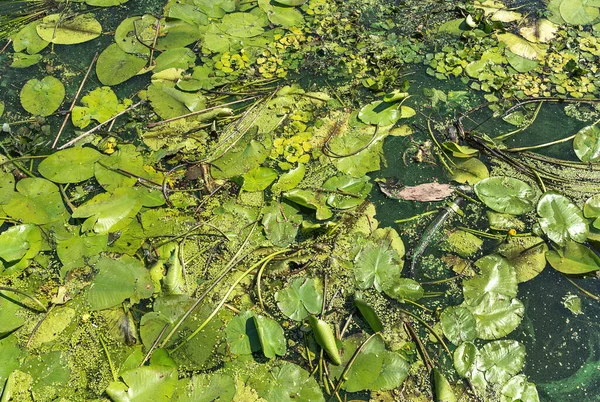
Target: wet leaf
286,382
10,354
42,97
242,336
542,31
258,179
169,102
496,316
182,58
286,17
560,219
271,336
291,3
443,389
523,47
22,60
404,289
290,179
36,201
470,171
9,319
205,388
156,383
587,144
114,66
506,195
500,360
100,105
465,356
71,165
54,324
75,251
105,3
393,372
242,25
458,324
48,371
15,242
301,298
136,34
496,276
27,39
376,266
575,12
310,199
68,31
117,280
518,389
380,113
591,209
281,222
248,153
463,243
357,189
573,259
526,255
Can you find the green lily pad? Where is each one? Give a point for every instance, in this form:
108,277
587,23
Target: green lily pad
310,199
281,222
470,171
285,17
10,354
376,266
291,3
75,251
404,289
42,97
496,276
14,242
249,152
458,324
242,25
496,316
587,144
156,383
55,323
526,255
369,315
576,12
27,39
135,35
591,209
123,168
271,336
380,113
117,280
357,189
465,357
443,389
182,58
519,63
115,66
573,259
259,178
49,372
9,319
100,105
463,243
23,60
289,180
168,102
301,298
105,3
110,212
205,388
560,219
506,195
285,382
68,31
323,334
7,187
71,165
241,333
36,201
518,389
522,47
501,360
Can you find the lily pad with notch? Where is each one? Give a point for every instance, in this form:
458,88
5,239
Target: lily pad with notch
506,195
560,219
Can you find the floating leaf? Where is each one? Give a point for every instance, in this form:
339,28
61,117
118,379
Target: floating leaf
458,324
465,356
76,250
404,289
271,336
526,255
285,382
310,199
27,39
575,12
71,165
136,34
259,178
496,316
36,201
376,266
500,360
67,31
100,105
290,179
22,60
9,319
155,383
242,25
205,388
286,17
42,97
291,3
105,3
470,171
519,63
591,209
182,58
114,66
242,337
506,195
301,298
523,47
281,222
443,389
380,113
573,259
587,144
10,354
357,189
249,152
542,31
560,219
496,276
518,389
117,280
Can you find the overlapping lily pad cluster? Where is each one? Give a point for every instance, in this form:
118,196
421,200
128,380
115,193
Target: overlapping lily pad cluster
210,236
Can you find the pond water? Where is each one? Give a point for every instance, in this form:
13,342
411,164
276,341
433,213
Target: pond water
117,266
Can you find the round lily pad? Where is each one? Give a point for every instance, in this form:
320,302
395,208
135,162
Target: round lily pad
381,113
458,324
577,13
70,165
115,66
573,259
67,31
500,360
560,219
591,209
587,144
42,97
302,297
506,195
527,255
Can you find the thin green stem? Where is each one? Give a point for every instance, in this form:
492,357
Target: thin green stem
415,217
31,297
430,329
